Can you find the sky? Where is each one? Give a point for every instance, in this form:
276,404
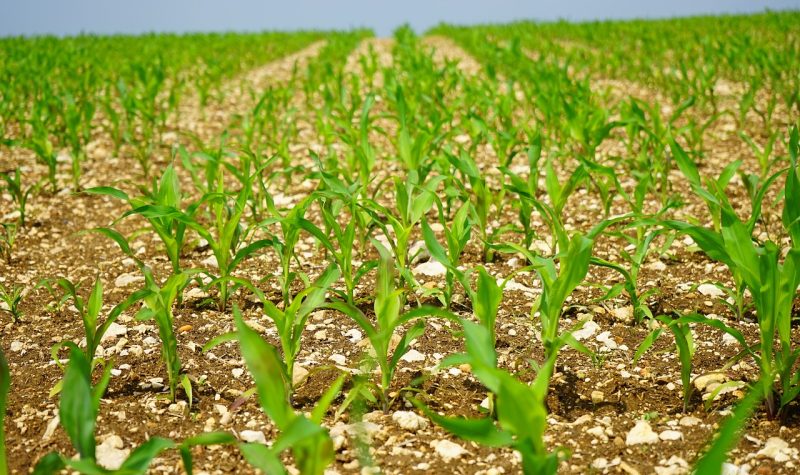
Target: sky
70,17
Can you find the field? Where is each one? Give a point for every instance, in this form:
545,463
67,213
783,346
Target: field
525,248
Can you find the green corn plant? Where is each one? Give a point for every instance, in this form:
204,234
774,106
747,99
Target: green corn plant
414,197
8,237
456,235
487,294
772,275
10,300
310,444
89,311
716,200
78,410
19,193
290,223
481,197
161,207
527,190
345,237
764,153
388,304
77,118
42,146
158,302
291,321
5,384
229,232
630,274
684,344
520,409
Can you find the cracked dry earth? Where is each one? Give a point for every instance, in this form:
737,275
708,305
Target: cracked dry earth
614,416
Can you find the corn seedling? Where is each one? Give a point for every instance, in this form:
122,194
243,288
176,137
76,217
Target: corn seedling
89,311
520,409
10,299
387,307
158,302
8,237
310,444
772,275
19,193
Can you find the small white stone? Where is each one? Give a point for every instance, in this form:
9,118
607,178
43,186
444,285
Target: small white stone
339,359
701,382
431,268
210,261
778,450
125,280
237,372
354,335
598,397
728,339
605,339
115,330
670,435
623,314
110,453
586,331
710,290
689,421
16,346
409,420
641,433
321,335
253,436
299,374
448,450
413,356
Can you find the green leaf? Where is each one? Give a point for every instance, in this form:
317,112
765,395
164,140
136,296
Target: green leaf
263,458
484,431
266,366
728,434
141,457
77,412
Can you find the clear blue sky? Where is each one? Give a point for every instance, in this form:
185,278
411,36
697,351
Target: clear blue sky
68,17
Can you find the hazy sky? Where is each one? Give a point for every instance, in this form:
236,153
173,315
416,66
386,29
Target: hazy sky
66,17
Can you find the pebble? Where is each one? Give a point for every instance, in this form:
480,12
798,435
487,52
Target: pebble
623,314
605,339
689,421
413,356
431,269
701,382
448,450
114,330
110,453
586,331
237,372
16,346
299,374
253,436
710,290
641,433
778,450
125,280
354,335
321,335
339,359
598,397
670,435
409,420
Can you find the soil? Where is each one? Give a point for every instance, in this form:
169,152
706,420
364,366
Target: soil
590,425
